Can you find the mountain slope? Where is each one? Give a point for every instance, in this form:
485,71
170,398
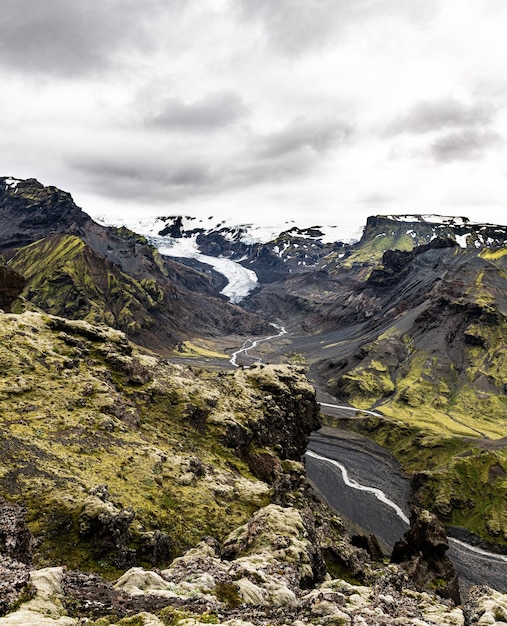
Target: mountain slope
81,269
105,444
420,338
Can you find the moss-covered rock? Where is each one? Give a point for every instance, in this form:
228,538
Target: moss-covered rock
82,407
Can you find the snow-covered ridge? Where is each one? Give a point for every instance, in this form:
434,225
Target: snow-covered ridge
465,232
432,219
231,229
176,236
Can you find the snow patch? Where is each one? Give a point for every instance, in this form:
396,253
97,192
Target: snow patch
461,240
12,183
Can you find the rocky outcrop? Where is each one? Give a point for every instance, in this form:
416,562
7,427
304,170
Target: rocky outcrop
107,526
30,211
11,287
422,555
16,545
16,541
264,573
289,414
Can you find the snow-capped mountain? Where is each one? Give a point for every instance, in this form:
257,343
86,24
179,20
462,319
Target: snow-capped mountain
248,254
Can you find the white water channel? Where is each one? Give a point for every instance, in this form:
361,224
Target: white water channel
381,496
251,344
353,484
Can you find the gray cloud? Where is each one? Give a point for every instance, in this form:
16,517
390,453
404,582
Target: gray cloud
434,115
295,26
72,37
139,176
212,112
181,170
318,134
464,145
291,152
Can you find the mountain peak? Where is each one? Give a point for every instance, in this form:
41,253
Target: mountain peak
29,210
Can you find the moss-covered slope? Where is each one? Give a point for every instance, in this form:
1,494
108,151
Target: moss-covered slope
65,277
123,458
438,371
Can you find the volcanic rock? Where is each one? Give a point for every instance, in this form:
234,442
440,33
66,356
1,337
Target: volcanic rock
422,555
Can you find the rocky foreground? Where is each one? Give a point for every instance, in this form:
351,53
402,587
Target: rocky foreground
263,573
140,492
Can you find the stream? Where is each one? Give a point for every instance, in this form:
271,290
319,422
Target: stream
250,344
363,482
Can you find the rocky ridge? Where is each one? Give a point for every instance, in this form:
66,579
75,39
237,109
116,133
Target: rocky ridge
259,575
265,572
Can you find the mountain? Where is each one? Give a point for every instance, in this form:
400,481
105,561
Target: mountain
137,488
77,268
276,251
410,320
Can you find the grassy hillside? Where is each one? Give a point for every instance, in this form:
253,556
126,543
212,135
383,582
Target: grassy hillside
65,277
121,457
438,372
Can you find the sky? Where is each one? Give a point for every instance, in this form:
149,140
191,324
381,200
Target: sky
315,111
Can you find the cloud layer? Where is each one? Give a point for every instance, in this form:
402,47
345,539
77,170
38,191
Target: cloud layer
320,110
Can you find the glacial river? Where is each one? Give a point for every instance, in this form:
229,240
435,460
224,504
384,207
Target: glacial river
363,482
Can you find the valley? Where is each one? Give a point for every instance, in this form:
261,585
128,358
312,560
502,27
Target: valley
160,386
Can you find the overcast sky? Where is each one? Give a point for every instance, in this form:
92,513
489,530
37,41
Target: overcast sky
318,111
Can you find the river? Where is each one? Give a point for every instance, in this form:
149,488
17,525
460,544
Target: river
363,482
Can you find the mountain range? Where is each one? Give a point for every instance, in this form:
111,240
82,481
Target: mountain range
127,434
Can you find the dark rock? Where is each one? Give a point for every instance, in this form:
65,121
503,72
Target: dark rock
30,211
370,544
422,555
11,286
91,596
395,268
156,548
107,527
15,584
16,541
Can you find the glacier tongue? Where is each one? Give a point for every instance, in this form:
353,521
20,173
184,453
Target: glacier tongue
241,281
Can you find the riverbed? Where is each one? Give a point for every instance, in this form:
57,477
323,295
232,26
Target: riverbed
363,482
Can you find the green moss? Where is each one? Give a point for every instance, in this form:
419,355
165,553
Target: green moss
80,407
228,593
65,277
